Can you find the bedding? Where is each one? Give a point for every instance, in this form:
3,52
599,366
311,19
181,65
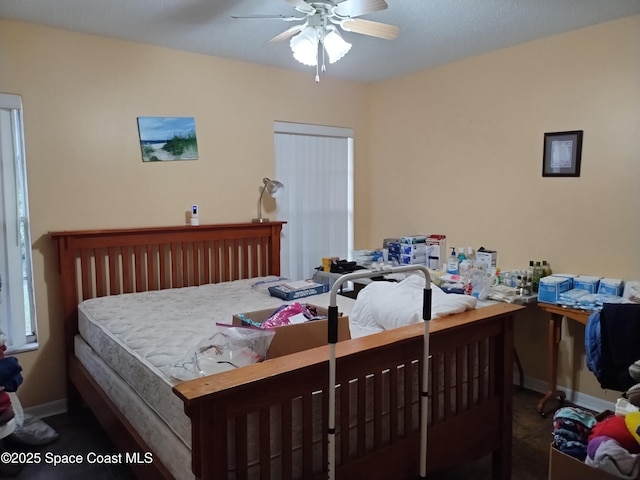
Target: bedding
387,305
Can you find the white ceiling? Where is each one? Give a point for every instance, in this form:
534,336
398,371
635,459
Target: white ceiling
432,32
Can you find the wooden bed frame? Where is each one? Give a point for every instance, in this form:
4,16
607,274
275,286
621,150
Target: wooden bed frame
470,371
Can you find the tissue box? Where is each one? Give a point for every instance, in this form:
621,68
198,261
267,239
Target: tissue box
394,247
414,249
610,286
550,288
488,257
585,282
420,259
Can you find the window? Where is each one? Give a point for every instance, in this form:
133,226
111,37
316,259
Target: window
17,306
315,164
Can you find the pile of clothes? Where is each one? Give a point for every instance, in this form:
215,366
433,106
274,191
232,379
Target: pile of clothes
10,380
609,442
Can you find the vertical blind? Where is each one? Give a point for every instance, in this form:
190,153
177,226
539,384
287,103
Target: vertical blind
317,201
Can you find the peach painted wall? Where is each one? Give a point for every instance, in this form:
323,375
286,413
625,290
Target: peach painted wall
458,150
81,96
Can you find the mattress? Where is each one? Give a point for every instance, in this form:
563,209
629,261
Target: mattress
141,335
173,453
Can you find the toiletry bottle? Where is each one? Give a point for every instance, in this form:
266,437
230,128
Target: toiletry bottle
452,263
546,268
465,265
537,275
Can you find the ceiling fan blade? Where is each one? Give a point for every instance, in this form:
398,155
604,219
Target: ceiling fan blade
270,17
367,27
290,32
301,6
355,8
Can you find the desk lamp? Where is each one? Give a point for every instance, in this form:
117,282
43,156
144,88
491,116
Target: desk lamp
273,187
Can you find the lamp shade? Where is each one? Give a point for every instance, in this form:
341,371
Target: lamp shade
305,46
273,188
335,46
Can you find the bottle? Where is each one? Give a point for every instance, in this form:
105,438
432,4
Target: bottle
464,266
538,273
452,263
546,268
461,255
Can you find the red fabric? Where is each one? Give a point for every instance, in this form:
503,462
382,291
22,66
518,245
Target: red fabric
616,428
5,401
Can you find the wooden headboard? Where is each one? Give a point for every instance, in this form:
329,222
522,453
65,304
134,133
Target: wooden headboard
96,263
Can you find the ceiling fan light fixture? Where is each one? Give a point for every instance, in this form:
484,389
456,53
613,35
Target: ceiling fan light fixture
335,46
305,46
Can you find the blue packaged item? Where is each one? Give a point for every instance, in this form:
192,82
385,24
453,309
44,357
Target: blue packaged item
294,290
585,282
610,286
550,288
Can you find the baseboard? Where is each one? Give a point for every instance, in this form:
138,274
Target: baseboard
47,409
576,398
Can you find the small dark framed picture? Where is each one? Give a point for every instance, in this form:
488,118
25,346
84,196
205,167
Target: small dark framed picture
562,154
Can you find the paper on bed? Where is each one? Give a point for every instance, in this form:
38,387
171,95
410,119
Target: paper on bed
387,305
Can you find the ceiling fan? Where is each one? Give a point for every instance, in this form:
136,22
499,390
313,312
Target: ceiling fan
318,31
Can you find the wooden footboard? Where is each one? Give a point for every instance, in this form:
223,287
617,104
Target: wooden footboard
279,407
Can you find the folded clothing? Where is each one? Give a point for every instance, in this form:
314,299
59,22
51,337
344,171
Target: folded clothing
571,429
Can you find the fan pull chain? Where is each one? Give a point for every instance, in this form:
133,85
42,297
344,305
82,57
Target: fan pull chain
323,69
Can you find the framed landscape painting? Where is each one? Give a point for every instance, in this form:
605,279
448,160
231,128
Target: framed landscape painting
165,139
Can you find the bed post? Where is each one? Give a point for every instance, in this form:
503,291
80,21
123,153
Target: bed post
501,458
276,229
69,292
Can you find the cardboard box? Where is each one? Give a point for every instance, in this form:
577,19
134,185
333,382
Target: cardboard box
412,239
413,249
588,283
436,251
298,337
550,288
419,259
488,257
611,286
566,467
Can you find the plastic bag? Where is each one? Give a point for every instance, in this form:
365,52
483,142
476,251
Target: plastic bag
227,348
285,314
